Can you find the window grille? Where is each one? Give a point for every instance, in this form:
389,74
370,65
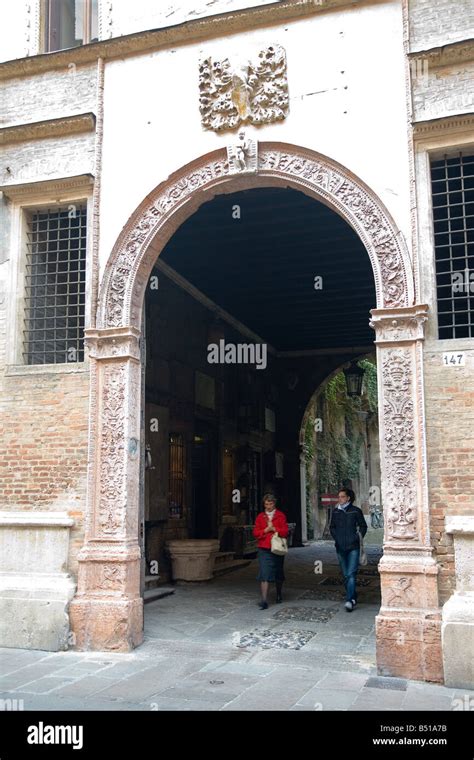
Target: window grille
453,216
55,286
177,475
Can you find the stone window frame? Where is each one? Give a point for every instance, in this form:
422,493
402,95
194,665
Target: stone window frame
24,200
41,17
434,140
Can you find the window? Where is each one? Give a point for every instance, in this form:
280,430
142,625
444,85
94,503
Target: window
70,23
55,286
177,475
453,216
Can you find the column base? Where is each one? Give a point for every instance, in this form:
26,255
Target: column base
108,625
408,626
409,647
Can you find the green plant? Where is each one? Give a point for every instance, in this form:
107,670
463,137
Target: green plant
338,446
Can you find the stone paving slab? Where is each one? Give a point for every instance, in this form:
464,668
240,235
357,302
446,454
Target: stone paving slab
427,703
46,685
275,691
241,668
327,699
334,681
84,687
34,702
369,698
214,699
162,704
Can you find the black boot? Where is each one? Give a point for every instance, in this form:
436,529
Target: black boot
279,597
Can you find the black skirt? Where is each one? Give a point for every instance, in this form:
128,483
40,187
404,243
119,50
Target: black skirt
270,566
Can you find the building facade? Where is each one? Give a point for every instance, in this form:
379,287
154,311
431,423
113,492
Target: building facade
344,130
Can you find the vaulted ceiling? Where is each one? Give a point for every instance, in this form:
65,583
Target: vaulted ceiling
256,254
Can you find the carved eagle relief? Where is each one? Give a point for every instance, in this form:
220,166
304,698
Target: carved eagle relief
255,92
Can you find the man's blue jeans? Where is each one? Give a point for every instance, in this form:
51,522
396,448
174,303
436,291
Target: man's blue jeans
349,562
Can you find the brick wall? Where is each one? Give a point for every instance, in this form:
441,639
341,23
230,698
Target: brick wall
450,442
43,457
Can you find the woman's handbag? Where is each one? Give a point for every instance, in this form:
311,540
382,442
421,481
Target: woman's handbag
279,545
362,552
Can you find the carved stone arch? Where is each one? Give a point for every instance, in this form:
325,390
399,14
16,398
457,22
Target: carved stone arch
107,611
165,208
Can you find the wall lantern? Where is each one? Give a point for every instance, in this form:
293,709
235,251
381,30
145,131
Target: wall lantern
354,377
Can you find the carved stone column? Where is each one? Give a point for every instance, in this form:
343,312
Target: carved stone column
107,612
408,626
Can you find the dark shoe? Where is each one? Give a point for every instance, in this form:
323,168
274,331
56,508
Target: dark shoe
279,599
263,605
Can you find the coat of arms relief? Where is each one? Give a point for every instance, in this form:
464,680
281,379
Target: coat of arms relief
251,92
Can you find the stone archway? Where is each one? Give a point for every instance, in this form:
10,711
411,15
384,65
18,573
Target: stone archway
107,611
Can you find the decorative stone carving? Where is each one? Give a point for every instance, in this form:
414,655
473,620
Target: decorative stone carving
400,474
321,176
409,617
113,577
400,325
112,499
122,342
356,202
252,91
242,156
398,332
400,593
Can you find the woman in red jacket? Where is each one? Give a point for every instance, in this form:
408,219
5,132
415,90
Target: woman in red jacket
268,522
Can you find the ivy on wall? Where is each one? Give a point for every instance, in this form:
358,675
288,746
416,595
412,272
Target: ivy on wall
335,450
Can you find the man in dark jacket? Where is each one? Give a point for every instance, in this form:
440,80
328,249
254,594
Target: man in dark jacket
345,521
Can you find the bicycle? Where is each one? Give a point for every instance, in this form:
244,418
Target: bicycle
376,517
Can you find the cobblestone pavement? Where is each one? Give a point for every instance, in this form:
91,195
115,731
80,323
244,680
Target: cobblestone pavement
209,647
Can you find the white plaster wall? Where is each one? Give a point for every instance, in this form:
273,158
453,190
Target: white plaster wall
16,26
127,17
347,100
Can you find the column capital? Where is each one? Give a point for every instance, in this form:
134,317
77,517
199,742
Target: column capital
400,325
113,343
